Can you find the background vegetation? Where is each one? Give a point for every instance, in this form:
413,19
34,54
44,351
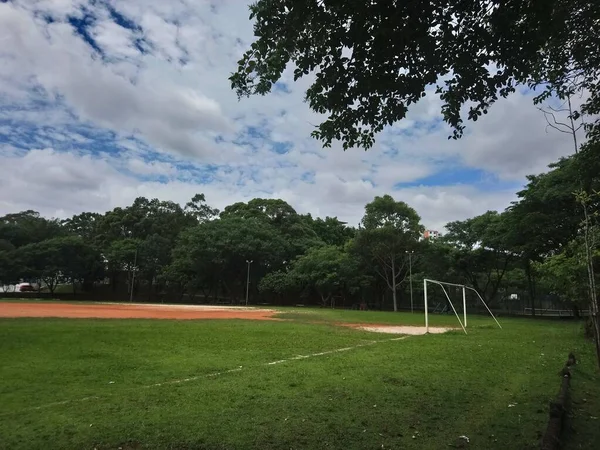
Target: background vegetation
166,252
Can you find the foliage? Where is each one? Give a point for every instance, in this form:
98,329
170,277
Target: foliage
84,225
198,208
11,269
222,248
178,251
62,258
330,230
370,61
27,227
391,229
482,251
279,282
564,273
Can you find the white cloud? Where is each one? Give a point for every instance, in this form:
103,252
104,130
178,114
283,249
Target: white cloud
62,184
142,167
176,100
167,115
439,205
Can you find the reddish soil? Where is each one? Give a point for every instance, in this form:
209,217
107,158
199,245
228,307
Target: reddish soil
134,311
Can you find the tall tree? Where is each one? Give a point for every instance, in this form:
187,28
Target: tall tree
199,209
223,247
389,229
279,214
78,260
67,258
84,225
11,268
373,60
330,230
28,227
154,227
564,273
328,270
544,219
482,251
321,268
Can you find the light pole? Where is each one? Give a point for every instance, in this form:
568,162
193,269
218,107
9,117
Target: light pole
410,278
248,281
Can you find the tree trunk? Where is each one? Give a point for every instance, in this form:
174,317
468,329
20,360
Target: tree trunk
206,294
530,285
394,285
591,282
324,300
150,287
51,286
576,314
113,281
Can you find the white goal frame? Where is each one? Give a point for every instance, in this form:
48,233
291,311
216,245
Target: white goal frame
464,296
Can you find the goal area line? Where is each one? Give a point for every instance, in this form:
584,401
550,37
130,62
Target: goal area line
463,323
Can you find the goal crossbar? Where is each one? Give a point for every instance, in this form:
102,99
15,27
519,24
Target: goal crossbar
464,295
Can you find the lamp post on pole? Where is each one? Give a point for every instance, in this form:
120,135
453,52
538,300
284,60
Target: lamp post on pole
410,278
248,281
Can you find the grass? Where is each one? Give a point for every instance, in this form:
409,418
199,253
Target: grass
326,315
419,393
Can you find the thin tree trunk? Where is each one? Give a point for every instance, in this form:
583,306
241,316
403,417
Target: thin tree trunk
588,241
51,286
206,293
591,282
531,286
576,314
394,284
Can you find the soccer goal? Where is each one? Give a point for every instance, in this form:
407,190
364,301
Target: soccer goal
464,288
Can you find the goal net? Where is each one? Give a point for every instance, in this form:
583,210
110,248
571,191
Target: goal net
461,288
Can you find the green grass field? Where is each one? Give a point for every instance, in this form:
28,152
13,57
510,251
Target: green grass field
85,384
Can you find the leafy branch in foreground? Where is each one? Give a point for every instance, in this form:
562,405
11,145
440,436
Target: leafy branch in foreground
370,61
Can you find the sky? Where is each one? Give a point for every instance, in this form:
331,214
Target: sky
105,101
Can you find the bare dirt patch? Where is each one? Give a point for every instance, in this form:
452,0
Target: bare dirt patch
397,329
132,311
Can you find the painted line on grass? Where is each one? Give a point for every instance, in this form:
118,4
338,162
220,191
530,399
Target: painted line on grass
213,374
64,402
330,352
197,377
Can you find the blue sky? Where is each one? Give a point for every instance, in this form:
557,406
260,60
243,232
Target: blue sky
103,101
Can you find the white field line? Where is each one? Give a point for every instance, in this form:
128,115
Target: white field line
186,380
213,374
64,402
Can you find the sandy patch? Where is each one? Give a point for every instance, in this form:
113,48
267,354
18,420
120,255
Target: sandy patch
392,329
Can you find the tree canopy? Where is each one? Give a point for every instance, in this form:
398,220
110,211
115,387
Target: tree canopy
160,250
368,62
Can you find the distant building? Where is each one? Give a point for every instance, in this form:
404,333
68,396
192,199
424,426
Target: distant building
431,234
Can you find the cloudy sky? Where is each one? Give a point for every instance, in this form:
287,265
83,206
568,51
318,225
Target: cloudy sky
104,101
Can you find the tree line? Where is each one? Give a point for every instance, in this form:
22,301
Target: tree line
369,62
160,250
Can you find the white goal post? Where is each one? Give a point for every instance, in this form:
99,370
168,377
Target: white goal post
464,298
